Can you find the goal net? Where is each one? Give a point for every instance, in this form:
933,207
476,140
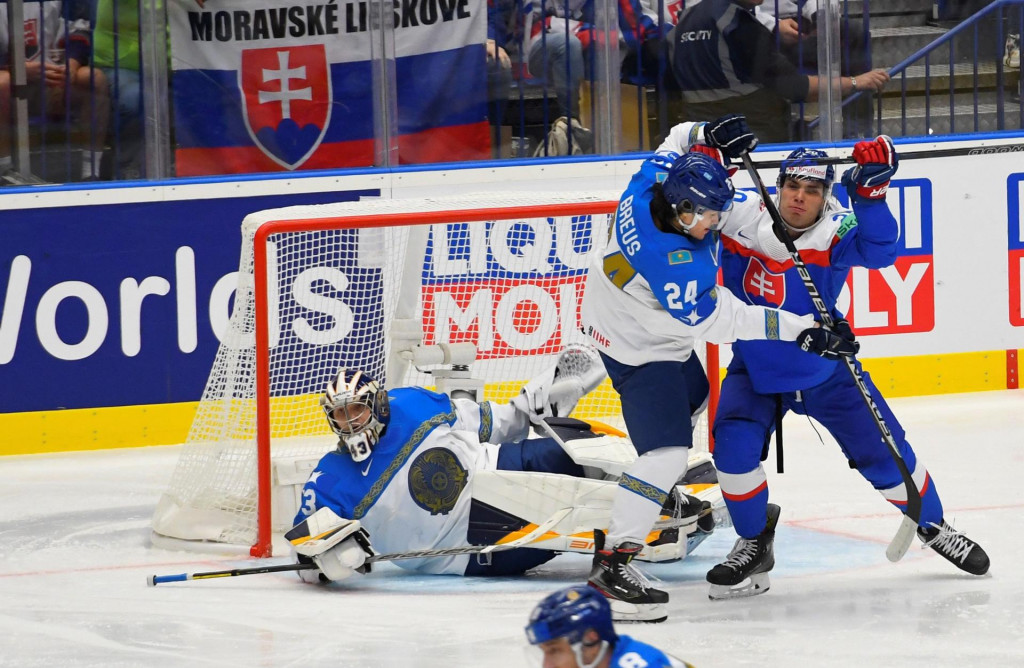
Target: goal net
360,284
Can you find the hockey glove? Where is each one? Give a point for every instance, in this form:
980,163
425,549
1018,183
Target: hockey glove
829,343
338,546
731,135
311,575
716,154
876,163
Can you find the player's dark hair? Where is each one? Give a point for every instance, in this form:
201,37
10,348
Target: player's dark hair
662,211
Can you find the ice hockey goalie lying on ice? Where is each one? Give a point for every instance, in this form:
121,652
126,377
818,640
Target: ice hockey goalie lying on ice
416,470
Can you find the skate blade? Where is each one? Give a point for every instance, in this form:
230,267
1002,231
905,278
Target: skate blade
752,586
630,612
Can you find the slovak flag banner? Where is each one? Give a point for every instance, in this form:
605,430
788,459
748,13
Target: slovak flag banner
259,86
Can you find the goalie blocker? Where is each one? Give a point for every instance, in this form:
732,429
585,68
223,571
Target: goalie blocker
339,547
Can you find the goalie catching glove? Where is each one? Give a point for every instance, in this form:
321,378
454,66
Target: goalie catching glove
339,547
555,392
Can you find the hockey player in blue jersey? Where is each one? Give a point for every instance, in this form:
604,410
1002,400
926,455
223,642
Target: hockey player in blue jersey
649,295
765,376
404,457
572,628
412,466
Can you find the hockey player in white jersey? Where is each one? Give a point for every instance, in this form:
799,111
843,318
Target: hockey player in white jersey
765,376
572,628
409,467
648,296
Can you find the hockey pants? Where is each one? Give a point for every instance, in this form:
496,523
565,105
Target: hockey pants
746,420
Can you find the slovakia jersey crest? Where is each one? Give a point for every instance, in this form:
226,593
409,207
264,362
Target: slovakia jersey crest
286,91
762,286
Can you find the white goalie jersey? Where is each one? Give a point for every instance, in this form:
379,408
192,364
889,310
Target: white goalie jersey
409,493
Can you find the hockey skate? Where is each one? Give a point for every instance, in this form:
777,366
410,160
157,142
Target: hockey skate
631,596
693,522
745,571
955,547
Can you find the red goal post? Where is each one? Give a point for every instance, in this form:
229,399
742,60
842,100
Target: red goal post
357,284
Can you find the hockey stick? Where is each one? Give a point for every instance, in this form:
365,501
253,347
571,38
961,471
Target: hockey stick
659,525
905,534
535,534
915,155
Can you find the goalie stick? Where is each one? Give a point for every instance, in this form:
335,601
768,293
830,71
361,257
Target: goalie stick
908,527
525,539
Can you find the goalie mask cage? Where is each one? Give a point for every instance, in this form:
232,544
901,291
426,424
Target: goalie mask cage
327,286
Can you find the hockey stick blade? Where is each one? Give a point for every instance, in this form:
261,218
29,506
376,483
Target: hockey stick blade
536,533
902,540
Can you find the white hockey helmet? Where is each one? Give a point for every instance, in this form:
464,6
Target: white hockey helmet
357,410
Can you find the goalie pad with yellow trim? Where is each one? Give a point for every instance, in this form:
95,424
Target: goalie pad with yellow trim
506,502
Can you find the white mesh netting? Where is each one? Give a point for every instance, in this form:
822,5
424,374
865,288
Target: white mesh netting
346,296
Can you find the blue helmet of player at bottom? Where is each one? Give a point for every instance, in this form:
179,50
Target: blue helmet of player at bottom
697,183
569,613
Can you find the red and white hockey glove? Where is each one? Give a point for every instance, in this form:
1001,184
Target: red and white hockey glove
715,154
876,163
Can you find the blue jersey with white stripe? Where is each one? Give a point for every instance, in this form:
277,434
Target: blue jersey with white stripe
757,267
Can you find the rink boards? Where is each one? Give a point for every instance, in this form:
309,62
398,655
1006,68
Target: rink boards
113,297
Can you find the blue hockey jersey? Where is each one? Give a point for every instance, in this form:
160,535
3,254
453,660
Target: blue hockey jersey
651,294
409,492
757,267
630,653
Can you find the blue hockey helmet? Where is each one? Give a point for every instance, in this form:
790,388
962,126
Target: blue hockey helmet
357,409
569,613
697,183
805,163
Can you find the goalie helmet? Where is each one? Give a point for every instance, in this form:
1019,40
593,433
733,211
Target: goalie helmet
357,410
699,184
569,613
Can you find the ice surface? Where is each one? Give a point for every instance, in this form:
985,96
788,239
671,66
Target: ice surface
75,553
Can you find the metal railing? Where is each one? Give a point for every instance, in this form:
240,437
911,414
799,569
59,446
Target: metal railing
989,22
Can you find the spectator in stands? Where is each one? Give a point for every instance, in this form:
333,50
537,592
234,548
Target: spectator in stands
557,33
725,61
116,53
61,84
796,27
501,22
644,26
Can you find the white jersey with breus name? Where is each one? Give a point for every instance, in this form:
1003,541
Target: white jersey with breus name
651,294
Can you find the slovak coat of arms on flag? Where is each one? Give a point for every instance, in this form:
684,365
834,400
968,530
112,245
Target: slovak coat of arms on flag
286,91
763,286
